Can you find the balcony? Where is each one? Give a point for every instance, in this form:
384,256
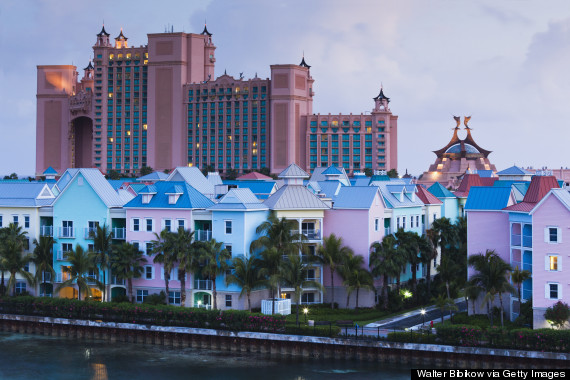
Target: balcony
202,235
66,232
312,234
46,231
117,281
61,277
60,255
527,241
203,284
119,233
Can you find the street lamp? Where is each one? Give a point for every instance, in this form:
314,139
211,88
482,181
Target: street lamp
199,304
423,313
306,311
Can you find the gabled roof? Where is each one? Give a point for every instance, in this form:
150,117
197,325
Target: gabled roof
25,194
485,173
488,198
400,195
50,171
98,183
154,176
561,194
239,199
189,198
332,170
538,188
293,171
514,170
440,191
117,183
358,197
194,177
360,180
137,187
66,178
468,181
293,197
319,174
427,197
488,181
330,188
214,178
254,176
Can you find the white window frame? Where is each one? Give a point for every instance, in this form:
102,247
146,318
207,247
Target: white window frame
136,244
1,221
164,221
547,290
229,299
411,221
226,221
173,274
547,263
143,294
178,224
151,272
26,221
138,224
547,235
151,224
397,222
403,222
376,224
15,220
146,248
176,296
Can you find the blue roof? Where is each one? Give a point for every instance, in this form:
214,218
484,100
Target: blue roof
355,197
116,183
50,171
262,189
513,170
485,173
239,200
360,180
154,176
190,198
332,170
329,188
488,198
440,191
25,194
399,195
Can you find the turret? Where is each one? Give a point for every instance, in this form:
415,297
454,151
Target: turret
121,41
209,58
103,38
381,102
88,71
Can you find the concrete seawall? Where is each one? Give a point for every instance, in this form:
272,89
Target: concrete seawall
425,355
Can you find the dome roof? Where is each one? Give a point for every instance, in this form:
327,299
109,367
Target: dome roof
456,148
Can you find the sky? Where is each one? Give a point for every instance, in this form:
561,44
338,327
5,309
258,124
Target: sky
505,63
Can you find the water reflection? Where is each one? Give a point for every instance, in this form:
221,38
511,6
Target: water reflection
39,357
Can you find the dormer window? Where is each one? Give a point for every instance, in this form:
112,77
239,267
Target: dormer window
146,198
173,198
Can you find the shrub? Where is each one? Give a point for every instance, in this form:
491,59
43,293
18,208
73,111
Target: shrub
156,299
411,337
557,315
120,299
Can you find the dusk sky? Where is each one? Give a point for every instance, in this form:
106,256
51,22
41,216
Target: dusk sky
505,63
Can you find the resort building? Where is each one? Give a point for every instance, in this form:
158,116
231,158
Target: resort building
161,105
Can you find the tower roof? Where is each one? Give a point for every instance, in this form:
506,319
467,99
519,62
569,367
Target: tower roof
462,147
89,66
382,96
293,171
103,32
121,36
205,31
304,64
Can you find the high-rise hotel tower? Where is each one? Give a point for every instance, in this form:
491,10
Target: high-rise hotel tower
160,105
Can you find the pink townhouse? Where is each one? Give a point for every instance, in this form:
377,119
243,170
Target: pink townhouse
356,216
165,205
551,249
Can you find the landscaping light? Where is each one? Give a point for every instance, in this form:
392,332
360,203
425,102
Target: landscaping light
407,294
423,313
199,304
306,311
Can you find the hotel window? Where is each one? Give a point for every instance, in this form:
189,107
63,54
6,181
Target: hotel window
411,222
403,222
308,298
148,248
553,263
228,226
174,298
181,223
168,225
398,222
141,295
228,300
417,221
1,221
553,291
148,272
20,287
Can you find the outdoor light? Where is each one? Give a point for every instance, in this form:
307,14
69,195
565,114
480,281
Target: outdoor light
306,311
407,294
199,304
423,313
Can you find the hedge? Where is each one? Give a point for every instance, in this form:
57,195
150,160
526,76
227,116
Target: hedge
411,337
234,320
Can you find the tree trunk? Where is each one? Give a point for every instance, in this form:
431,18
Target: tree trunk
428,279
214,294
447,287
501,302
357,290
2,286
298,302
398,280
414,279
385,292
182,279
332,288
347,299
130,287
249,301
166,280
489,314
104,287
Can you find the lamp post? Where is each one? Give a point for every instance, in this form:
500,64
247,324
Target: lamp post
423,313
306,311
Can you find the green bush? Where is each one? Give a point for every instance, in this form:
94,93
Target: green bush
326,331
156,299
411,337
235,320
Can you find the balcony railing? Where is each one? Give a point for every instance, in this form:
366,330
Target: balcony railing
117,281
46,230
91,279
119,233
67,232
61,277
387,231
527,241
522,266
202,306
203,284
312,234
60,255
202,235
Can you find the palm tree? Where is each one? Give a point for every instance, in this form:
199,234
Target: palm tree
411,245
447,234
246,275
184,251
43,260
127,263
518,277
13,260
214,262
270,260
81,263
294,274
400,258
102,246
447,270
472,292
355,277
165,255
491,277
442,303
430,253
333,254
383,263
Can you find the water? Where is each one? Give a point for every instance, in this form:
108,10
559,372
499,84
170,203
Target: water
39,357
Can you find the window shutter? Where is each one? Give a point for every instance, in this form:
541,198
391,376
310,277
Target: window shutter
559,234
547,262
560,263
152,272
162,273
559,291
546,235
132,225
547,291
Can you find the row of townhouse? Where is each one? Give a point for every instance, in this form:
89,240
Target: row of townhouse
360,211
526,223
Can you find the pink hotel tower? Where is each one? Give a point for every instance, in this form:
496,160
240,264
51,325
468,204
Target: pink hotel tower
160,105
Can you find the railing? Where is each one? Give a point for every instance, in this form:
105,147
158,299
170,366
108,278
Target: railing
203,284
90,232
119,233
202,235
61,277
312,234
202,306
516,240
527,241
61,255
46,277
116,281
91,279
46,230
67,232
